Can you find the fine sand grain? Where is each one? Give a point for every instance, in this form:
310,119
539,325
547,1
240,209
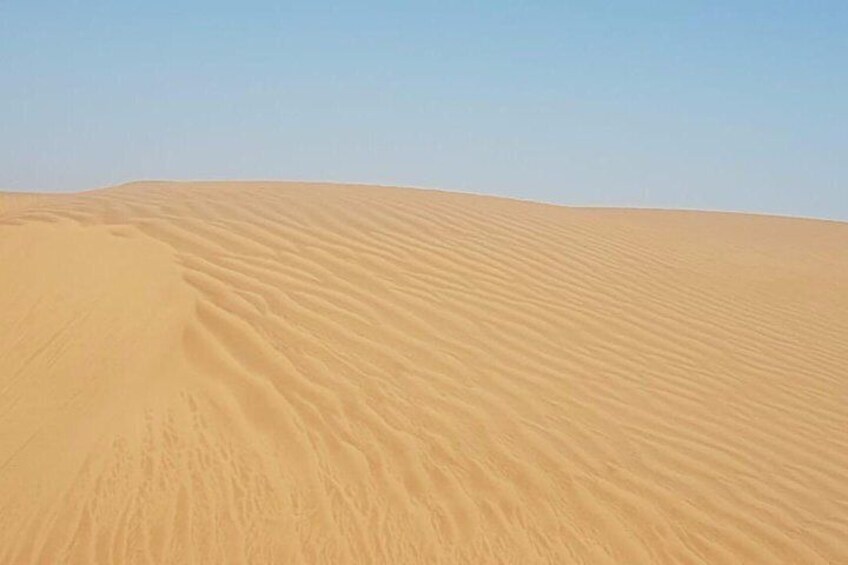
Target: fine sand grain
305,373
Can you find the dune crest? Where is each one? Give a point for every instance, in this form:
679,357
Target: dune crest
309,373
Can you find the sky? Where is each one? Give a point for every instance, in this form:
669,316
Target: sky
728,105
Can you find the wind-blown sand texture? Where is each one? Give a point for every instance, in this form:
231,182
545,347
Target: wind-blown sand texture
299,373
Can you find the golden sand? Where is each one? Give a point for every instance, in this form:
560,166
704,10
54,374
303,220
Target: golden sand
303,373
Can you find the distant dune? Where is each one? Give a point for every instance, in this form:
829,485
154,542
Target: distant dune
305,373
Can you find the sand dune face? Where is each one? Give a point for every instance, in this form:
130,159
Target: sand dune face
283,373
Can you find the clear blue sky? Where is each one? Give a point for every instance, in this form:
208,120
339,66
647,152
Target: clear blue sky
735,105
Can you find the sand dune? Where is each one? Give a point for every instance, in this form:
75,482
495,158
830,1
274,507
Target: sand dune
289,373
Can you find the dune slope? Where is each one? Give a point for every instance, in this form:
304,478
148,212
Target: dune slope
291,373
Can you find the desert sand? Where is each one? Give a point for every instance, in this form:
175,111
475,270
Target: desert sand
309,373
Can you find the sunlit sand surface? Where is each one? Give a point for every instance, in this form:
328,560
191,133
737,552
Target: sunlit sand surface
303,373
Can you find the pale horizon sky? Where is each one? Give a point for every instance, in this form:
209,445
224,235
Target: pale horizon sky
739,106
